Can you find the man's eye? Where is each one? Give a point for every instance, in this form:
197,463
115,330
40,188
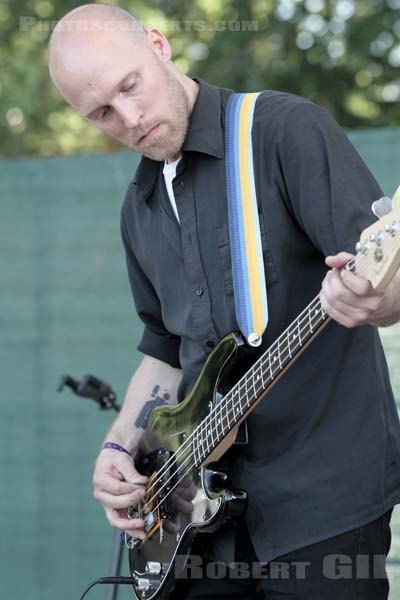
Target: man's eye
130,87
105,112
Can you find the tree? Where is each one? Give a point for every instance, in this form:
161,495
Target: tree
342,54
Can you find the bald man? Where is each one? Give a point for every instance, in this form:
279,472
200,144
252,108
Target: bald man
323,464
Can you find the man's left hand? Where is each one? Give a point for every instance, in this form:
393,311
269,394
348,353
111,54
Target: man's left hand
351,300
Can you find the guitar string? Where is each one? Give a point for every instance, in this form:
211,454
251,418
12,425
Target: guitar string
236,390
242,383
270,350
187,472
191,454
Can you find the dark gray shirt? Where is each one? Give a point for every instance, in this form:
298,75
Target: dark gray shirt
324,447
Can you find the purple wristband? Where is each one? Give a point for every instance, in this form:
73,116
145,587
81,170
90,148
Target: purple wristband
115,446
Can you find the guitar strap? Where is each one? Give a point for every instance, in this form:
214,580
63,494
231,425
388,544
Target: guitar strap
244,226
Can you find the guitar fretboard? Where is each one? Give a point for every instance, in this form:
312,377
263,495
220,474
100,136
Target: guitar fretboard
242,397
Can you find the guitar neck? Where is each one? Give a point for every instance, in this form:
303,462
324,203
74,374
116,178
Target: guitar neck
253,386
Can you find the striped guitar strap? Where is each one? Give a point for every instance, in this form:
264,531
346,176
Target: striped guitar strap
244,226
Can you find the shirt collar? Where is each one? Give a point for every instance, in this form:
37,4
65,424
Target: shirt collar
204,132
204,135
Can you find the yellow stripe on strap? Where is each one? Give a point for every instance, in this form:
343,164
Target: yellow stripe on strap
249,218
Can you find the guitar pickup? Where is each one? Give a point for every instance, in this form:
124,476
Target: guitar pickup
167,508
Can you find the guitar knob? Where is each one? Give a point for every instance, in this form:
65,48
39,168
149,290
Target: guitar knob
142,584
218,480
153,568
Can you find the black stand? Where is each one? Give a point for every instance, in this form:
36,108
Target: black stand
99,391
118,547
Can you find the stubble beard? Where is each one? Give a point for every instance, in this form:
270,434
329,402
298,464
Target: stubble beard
160,147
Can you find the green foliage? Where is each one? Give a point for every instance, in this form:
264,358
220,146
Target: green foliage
342,54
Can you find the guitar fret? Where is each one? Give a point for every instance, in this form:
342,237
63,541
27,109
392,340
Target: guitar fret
213,441
204,452
216,423
233,404
194,448
197,446
254,386
288,342
279,355
232,410
208,436
299,332
259,376
237,409
219,424
270,366
262,378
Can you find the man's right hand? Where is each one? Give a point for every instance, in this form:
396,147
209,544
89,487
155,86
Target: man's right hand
114,488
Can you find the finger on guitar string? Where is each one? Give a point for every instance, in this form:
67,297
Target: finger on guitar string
117,488
346,307
121,501
350,289
118,518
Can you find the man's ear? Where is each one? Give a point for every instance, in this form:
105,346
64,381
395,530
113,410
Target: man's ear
159,44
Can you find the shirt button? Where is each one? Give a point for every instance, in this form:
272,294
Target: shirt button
199,291
210,344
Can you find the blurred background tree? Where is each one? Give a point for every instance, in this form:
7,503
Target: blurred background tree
344,55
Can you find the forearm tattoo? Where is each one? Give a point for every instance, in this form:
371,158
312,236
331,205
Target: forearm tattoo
157,400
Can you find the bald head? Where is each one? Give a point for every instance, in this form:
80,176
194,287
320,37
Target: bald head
122,79
84,31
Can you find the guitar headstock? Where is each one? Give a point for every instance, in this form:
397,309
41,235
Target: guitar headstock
378,251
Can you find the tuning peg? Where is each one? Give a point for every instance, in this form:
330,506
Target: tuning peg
392,228
363,247
382,207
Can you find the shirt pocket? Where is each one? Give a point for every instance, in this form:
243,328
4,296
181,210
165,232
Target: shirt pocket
271,275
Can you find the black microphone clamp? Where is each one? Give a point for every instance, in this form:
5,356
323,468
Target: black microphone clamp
91,387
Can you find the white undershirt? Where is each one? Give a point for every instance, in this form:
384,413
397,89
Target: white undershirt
169,172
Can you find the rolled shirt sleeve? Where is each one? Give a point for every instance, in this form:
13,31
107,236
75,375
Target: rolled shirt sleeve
156,340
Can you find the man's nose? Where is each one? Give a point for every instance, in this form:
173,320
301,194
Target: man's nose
129,113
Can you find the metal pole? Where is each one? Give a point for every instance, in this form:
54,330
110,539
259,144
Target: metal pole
118,547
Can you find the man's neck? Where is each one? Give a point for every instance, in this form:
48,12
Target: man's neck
192,90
